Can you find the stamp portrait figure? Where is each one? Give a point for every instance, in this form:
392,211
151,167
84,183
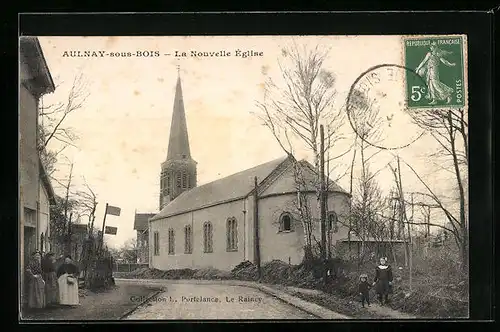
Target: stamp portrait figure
429,70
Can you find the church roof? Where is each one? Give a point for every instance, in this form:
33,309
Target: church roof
178,144
231,187
141,220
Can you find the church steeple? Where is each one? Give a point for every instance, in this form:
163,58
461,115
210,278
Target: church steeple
178,145
178,172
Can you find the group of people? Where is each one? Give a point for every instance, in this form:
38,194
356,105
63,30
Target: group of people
382,283
49,285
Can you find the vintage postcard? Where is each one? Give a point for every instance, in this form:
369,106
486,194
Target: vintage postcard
243,177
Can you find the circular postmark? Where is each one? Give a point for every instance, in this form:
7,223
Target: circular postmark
377,107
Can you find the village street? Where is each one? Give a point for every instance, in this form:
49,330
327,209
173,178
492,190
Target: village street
214,301
110,304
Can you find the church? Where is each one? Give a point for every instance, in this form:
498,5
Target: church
250,215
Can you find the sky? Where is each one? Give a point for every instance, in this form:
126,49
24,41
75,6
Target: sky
124,123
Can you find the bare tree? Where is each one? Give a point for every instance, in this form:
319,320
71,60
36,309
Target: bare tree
53,116
367,204
401,211
87,202
52,123
449,128
296,109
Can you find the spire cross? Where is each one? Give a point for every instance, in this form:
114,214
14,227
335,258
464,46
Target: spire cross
178,69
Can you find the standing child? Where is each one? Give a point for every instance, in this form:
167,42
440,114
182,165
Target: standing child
364,288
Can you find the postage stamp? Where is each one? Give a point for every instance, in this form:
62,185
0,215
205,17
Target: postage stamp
439,60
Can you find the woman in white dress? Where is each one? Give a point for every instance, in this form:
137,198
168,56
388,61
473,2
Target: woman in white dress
67,279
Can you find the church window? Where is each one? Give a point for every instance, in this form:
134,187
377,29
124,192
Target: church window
178,180
171,241
184,180
188,240
286,222
207,237
332,221
232,234
156,243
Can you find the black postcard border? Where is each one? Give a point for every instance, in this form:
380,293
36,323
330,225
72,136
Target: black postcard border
477,25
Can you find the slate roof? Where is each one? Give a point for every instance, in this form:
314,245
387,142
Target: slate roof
141,221
231,187
178,144
31,53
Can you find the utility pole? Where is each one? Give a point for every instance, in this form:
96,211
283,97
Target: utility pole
68,243
329,227
101,245
256,227
322,200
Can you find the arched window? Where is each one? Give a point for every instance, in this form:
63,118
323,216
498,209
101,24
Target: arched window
167,184
332,222
171,242
285,222
207,237
232,234
179,179
188,240
156,243
184,180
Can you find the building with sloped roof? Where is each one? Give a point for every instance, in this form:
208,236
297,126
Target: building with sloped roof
240,217
141,226
36,193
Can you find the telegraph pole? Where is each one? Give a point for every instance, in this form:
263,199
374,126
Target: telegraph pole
322,201
101,245
256,228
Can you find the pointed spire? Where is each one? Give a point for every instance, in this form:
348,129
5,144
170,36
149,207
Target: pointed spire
178,145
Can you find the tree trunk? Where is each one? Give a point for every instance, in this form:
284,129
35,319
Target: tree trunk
464,252
463,222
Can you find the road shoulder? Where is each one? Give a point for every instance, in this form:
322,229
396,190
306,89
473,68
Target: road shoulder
111,304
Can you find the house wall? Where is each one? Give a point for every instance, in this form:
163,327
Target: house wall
220,258
280,197
28,172
277,198
274,244
288,246
43,220
29,167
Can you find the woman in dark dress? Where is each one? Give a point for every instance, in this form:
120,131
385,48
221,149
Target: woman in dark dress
50,278
383,280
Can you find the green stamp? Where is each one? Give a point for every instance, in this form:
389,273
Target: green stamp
439,65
